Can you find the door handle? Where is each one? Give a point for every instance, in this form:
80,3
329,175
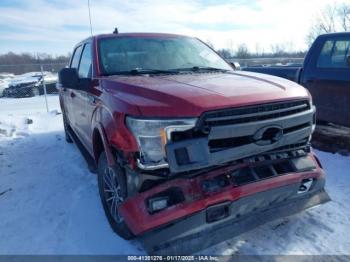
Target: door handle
72,95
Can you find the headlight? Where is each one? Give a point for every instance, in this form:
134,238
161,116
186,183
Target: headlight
152,135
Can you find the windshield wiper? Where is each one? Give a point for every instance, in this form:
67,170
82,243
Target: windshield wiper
202,68
151,71
140,71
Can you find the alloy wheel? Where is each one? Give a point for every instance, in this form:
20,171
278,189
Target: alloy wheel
113,193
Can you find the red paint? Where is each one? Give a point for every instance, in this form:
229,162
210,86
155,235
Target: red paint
139,220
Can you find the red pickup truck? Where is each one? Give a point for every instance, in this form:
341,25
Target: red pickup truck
183,145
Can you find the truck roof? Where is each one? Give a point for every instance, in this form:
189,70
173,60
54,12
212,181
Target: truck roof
335,34
138,34
134,34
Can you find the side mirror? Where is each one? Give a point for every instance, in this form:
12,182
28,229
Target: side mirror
348,61
68,78
236,66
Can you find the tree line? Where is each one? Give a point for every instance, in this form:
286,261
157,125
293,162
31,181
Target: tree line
277,50
25,62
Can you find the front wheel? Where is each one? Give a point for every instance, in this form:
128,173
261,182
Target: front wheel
112,189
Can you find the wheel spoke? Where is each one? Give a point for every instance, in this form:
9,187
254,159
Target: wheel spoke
116,214
113,193
110,198
112,206
108,183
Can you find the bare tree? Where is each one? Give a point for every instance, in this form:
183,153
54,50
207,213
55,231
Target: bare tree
259,51
333,18
344,16
225,53
242,51
278,49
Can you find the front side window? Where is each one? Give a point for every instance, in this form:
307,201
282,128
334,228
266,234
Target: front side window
76,57
124,54
334,54
85,62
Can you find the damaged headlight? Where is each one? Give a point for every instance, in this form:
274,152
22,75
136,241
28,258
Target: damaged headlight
152,135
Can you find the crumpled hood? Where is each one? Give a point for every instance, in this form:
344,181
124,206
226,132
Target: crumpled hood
192,94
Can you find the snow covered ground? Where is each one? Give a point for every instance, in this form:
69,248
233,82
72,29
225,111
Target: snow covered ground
49,202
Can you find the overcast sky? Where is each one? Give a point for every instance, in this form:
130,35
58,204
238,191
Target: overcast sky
55,26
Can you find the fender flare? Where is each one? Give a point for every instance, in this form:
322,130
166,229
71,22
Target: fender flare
106,147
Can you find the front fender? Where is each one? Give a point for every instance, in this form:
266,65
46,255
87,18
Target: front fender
113,133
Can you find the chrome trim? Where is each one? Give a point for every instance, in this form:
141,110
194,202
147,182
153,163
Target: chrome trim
170,129
151,167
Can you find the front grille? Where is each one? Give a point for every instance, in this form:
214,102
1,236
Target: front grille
228,135
301,145
251,113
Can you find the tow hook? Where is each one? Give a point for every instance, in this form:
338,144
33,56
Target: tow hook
305,185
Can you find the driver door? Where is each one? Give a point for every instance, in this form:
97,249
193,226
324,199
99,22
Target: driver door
81,98
68,94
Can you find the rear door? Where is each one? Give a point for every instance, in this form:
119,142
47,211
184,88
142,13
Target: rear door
66,94
329,82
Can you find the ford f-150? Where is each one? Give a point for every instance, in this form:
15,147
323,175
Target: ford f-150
185,146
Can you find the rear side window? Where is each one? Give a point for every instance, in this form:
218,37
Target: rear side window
76,57
334,54
85,62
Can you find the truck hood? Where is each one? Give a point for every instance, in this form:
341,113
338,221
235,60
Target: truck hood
192,94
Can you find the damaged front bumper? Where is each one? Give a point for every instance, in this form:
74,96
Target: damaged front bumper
224,202
194,233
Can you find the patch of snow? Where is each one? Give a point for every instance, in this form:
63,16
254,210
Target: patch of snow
6,75
49,202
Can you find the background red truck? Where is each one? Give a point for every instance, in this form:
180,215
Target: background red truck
183,145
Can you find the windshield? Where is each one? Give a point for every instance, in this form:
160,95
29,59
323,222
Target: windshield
125,54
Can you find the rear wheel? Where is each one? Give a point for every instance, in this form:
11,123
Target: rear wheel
112,189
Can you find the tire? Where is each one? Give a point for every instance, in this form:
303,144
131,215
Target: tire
111,183
66,127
